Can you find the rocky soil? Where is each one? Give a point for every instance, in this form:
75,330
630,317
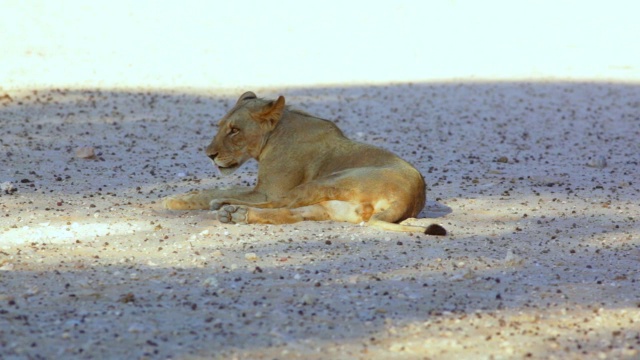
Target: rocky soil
537,182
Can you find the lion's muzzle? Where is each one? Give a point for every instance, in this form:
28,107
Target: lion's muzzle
224,167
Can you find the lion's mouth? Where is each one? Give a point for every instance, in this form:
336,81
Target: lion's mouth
227,168
232,166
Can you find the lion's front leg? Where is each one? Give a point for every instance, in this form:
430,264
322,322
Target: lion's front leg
194,200
201,199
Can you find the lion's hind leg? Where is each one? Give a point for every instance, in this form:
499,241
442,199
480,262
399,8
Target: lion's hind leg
239,214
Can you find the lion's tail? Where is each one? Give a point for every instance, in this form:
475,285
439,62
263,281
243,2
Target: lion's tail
433,229
387,218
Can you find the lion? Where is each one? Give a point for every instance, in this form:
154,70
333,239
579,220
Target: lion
307,170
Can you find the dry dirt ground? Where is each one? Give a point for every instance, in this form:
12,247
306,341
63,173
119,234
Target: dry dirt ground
538,184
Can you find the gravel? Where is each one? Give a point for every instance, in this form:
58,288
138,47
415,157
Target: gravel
537,183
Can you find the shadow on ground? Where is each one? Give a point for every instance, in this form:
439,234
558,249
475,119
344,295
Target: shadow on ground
542,259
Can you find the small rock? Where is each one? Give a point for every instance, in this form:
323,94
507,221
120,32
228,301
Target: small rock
32,291
136,328
127,298
503,159
211,282
512,259
598,162
86,152
470,275
307,299
8,188
251,256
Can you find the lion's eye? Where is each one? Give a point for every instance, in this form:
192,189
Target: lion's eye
234,131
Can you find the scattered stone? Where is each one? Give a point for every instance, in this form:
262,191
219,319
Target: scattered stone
32,291
512,259
8,188
251,257
307,299
503,159
136,328
598,162
127,298
86,152
468,275
211,282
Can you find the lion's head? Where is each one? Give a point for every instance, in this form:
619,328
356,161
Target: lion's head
243,131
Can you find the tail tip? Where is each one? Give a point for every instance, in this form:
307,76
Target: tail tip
436,230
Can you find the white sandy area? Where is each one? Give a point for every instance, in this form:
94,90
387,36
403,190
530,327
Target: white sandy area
524,117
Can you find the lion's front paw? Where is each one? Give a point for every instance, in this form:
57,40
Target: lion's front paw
230,214
194,200
175,202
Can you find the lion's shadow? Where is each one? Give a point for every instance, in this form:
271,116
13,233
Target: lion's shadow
434,210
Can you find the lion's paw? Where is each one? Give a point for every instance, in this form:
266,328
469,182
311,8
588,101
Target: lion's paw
175,203
216,204
230,214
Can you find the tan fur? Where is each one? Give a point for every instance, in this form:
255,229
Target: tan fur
308,170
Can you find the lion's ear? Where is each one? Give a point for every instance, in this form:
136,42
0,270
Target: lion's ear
246,96
271,113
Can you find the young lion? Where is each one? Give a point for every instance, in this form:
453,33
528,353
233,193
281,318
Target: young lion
308,170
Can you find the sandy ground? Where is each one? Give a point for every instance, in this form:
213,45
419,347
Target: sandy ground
542,261
536,178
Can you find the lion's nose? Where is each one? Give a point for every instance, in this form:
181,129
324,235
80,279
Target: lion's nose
212,156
